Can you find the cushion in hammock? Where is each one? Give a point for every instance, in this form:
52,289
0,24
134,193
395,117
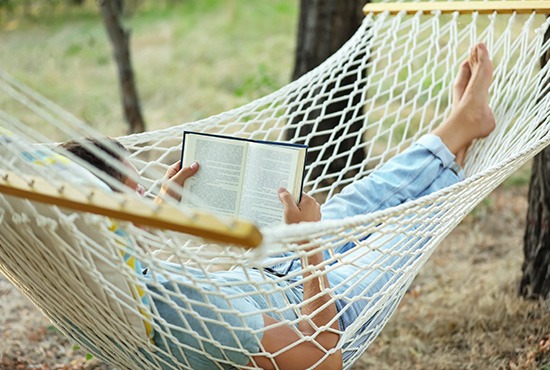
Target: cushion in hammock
31,158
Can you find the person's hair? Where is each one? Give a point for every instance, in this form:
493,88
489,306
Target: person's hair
77,148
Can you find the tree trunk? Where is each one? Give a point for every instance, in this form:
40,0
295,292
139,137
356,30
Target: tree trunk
111,11
535,282
324,26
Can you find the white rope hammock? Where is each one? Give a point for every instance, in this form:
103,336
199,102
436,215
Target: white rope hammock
82,269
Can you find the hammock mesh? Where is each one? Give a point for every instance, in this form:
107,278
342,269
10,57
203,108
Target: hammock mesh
394,79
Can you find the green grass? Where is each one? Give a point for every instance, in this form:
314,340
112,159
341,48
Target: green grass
190,61
521,177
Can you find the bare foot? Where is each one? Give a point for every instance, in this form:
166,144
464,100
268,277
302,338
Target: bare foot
461,82
472,117
459,86
482,73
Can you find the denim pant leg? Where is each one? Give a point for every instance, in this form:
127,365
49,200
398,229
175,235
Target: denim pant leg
425,167
195,317
404,177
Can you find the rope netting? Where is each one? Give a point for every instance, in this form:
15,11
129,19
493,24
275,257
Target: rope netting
141,297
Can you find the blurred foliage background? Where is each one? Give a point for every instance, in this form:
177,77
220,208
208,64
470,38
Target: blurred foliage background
191,58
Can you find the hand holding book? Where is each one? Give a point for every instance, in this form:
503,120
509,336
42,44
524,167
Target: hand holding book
175,179
307,211
240,178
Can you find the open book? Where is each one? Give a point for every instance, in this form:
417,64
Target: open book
240,177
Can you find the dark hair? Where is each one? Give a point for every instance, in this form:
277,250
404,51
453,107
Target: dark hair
77,148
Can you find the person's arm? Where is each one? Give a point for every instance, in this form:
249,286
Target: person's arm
278,337
175,178
316,297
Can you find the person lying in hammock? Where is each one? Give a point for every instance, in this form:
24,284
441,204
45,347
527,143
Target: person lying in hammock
432,163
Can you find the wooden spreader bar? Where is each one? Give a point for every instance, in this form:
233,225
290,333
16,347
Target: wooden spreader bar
125,207
482,7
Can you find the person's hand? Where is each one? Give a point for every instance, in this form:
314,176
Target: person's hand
174,180
307,211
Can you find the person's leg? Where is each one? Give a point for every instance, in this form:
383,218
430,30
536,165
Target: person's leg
429,164
471,117
402,178
364,287
447,177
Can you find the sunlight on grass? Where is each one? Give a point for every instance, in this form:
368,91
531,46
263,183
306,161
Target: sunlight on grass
191,61
203,57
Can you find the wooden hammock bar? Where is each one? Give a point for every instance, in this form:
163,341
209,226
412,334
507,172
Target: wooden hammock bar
482,7
125,207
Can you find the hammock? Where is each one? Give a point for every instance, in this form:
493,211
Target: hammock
78,250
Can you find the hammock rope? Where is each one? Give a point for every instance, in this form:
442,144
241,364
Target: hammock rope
85,271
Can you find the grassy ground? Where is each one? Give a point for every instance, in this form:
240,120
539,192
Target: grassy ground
207,56
462,311
191,61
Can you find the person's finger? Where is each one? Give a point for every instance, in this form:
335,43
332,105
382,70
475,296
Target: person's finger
307,200
311,207
185,173
176,165
287,199
172,170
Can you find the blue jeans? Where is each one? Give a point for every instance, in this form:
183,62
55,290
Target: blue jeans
425,167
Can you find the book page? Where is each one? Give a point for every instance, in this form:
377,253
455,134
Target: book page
270,167
217,185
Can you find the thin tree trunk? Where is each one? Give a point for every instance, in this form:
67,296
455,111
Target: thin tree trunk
535,282
111,11
324,26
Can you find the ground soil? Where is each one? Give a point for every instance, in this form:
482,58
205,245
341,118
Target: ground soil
461,312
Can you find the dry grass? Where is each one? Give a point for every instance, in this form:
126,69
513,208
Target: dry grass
462,311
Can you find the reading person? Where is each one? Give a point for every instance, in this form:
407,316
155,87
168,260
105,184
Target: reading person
432,163
174,177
